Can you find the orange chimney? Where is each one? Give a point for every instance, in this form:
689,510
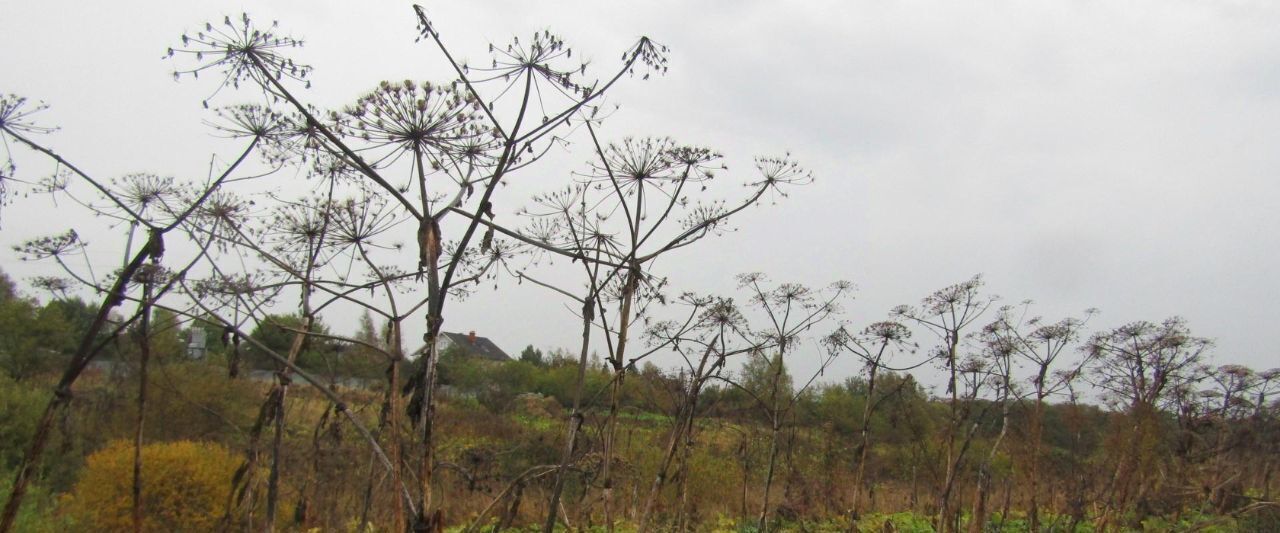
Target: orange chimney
471,337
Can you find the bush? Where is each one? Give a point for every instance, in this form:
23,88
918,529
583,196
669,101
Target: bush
21,406
184,487
37,513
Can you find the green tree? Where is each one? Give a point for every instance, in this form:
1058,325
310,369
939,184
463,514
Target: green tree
32,338
361,361
168,337
455,368
78,315
277,331
766,377
532,355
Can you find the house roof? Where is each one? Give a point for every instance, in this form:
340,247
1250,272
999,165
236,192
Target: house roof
476,346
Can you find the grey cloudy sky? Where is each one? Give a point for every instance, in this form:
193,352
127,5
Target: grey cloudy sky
1119,155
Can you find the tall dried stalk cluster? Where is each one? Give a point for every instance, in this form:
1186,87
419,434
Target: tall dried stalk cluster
394,206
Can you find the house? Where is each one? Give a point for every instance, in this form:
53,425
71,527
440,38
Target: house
473,346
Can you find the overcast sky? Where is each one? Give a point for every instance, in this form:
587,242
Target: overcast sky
1118,155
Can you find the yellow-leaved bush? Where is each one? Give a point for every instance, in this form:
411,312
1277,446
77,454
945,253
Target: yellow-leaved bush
184,487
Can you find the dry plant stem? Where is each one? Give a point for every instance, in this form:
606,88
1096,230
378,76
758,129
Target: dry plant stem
426,416
684,515
864,434
775,428
144,350
589,304
281,392
615,395
949,516
393,392
278,423
1037,435
944,496
680,431
367,504
977,524
575,416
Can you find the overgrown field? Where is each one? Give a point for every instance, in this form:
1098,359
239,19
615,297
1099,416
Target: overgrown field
505,420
